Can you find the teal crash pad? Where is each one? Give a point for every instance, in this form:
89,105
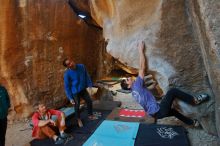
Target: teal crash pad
115,133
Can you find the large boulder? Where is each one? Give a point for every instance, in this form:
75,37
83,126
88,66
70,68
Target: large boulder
206,20
174,53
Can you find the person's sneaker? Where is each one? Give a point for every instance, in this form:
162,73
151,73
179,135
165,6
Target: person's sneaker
201,98
196,123
93,117
64,135
97,114
59,140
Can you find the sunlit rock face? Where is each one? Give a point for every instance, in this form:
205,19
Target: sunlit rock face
35,37
172,52
173,48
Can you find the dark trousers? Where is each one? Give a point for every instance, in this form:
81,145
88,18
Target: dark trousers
166,109
84,95
3,127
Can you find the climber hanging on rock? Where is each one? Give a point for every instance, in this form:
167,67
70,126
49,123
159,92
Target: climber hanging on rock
163,109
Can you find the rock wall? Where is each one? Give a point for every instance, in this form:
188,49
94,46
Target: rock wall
35,37
174,54
206,21
171,46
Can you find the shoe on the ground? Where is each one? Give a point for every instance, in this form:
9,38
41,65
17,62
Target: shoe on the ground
201,98
59,140
196,123
93,117
64,135
97,114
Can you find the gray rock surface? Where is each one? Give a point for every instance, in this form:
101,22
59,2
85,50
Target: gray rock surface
175,53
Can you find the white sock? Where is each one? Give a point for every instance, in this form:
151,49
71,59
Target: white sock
55,137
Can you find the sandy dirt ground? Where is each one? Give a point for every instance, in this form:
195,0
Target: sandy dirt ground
18,134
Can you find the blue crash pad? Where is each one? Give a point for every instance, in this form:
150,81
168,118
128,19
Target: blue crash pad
118,129
100,140
68,111
115,133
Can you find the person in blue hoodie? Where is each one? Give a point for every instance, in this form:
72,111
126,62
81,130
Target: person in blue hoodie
4,106
76,80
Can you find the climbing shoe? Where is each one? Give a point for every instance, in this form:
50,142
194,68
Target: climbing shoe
196,123
201,98
65,135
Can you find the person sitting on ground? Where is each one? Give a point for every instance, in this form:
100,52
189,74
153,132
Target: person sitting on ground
76,80
45,127
145,98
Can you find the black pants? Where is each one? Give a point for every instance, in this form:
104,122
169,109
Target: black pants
84,95
3,127
166,109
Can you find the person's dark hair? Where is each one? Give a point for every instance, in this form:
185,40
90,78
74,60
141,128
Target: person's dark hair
64,62
124,85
